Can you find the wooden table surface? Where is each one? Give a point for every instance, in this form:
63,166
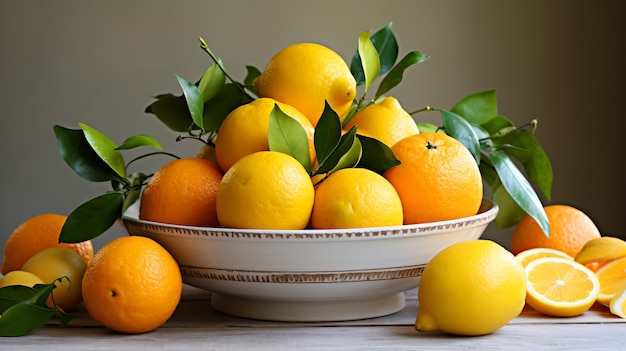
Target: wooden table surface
195,326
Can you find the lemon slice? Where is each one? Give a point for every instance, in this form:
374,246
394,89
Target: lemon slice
611,276
560,287
605,248
618,302
529,255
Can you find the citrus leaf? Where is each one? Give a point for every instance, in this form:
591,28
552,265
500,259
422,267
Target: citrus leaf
520,190
461,130
138,141
525,148
136,181
252,73
216,109
327,133
509,212
376,156
478,108
92,218
195,101
424,127
498,125
80,157
394,77
211,82
172,111
345,144
13,294
369,59
351,158
23,317
286,135
387,47
105,148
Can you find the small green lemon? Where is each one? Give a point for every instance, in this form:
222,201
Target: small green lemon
20,278
470,288
65,268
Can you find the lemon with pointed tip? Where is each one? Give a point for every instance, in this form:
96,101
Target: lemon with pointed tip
473,287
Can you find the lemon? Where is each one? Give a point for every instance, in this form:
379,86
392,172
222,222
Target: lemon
304,75
605,248
19,277
470,288
385,121
65,268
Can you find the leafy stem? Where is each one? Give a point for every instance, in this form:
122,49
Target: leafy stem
219,64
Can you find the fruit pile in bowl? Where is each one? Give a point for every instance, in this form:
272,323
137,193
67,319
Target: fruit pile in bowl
311,197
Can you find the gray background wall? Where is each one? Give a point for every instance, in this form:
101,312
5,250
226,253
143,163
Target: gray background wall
65,62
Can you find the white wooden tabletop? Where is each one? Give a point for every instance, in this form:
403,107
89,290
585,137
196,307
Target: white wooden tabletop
195,326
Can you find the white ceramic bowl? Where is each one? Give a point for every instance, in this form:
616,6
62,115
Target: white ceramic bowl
308,275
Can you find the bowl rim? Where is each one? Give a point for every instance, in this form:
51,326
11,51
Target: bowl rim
487,213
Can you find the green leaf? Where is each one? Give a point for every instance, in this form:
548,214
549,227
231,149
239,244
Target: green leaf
387,47
11,295
23,317
369,59
345,144
138,141
252,73
376,156
478,108
136,181
394,77
351,158
80,157
461,130
286,135
105,148
520,190
216,109
509,212
327,133
195,101
424,127
211,82
523,146
92,218
498,125
172,111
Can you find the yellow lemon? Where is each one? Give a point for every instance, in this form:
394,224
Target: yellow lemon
265,190
65,268
355,198
470,288
386,121
245,129
304,75
20,278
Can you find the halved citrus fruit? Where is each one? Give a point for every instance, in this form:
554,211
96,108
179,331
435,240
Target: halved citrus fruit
611,277
560,287
618,302
606,248
529,255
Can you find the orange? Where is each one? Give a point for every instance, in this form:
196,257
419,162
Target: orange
570,229
437,179
386,121
611,276
245,129
355,198
265,190
182,192
35,234
133,285
529,255
63,267
560,287
304,75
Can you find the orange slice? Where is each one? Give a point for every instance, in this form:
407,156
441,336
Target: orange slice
618,302
611,276
606,248
529,255
560,287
